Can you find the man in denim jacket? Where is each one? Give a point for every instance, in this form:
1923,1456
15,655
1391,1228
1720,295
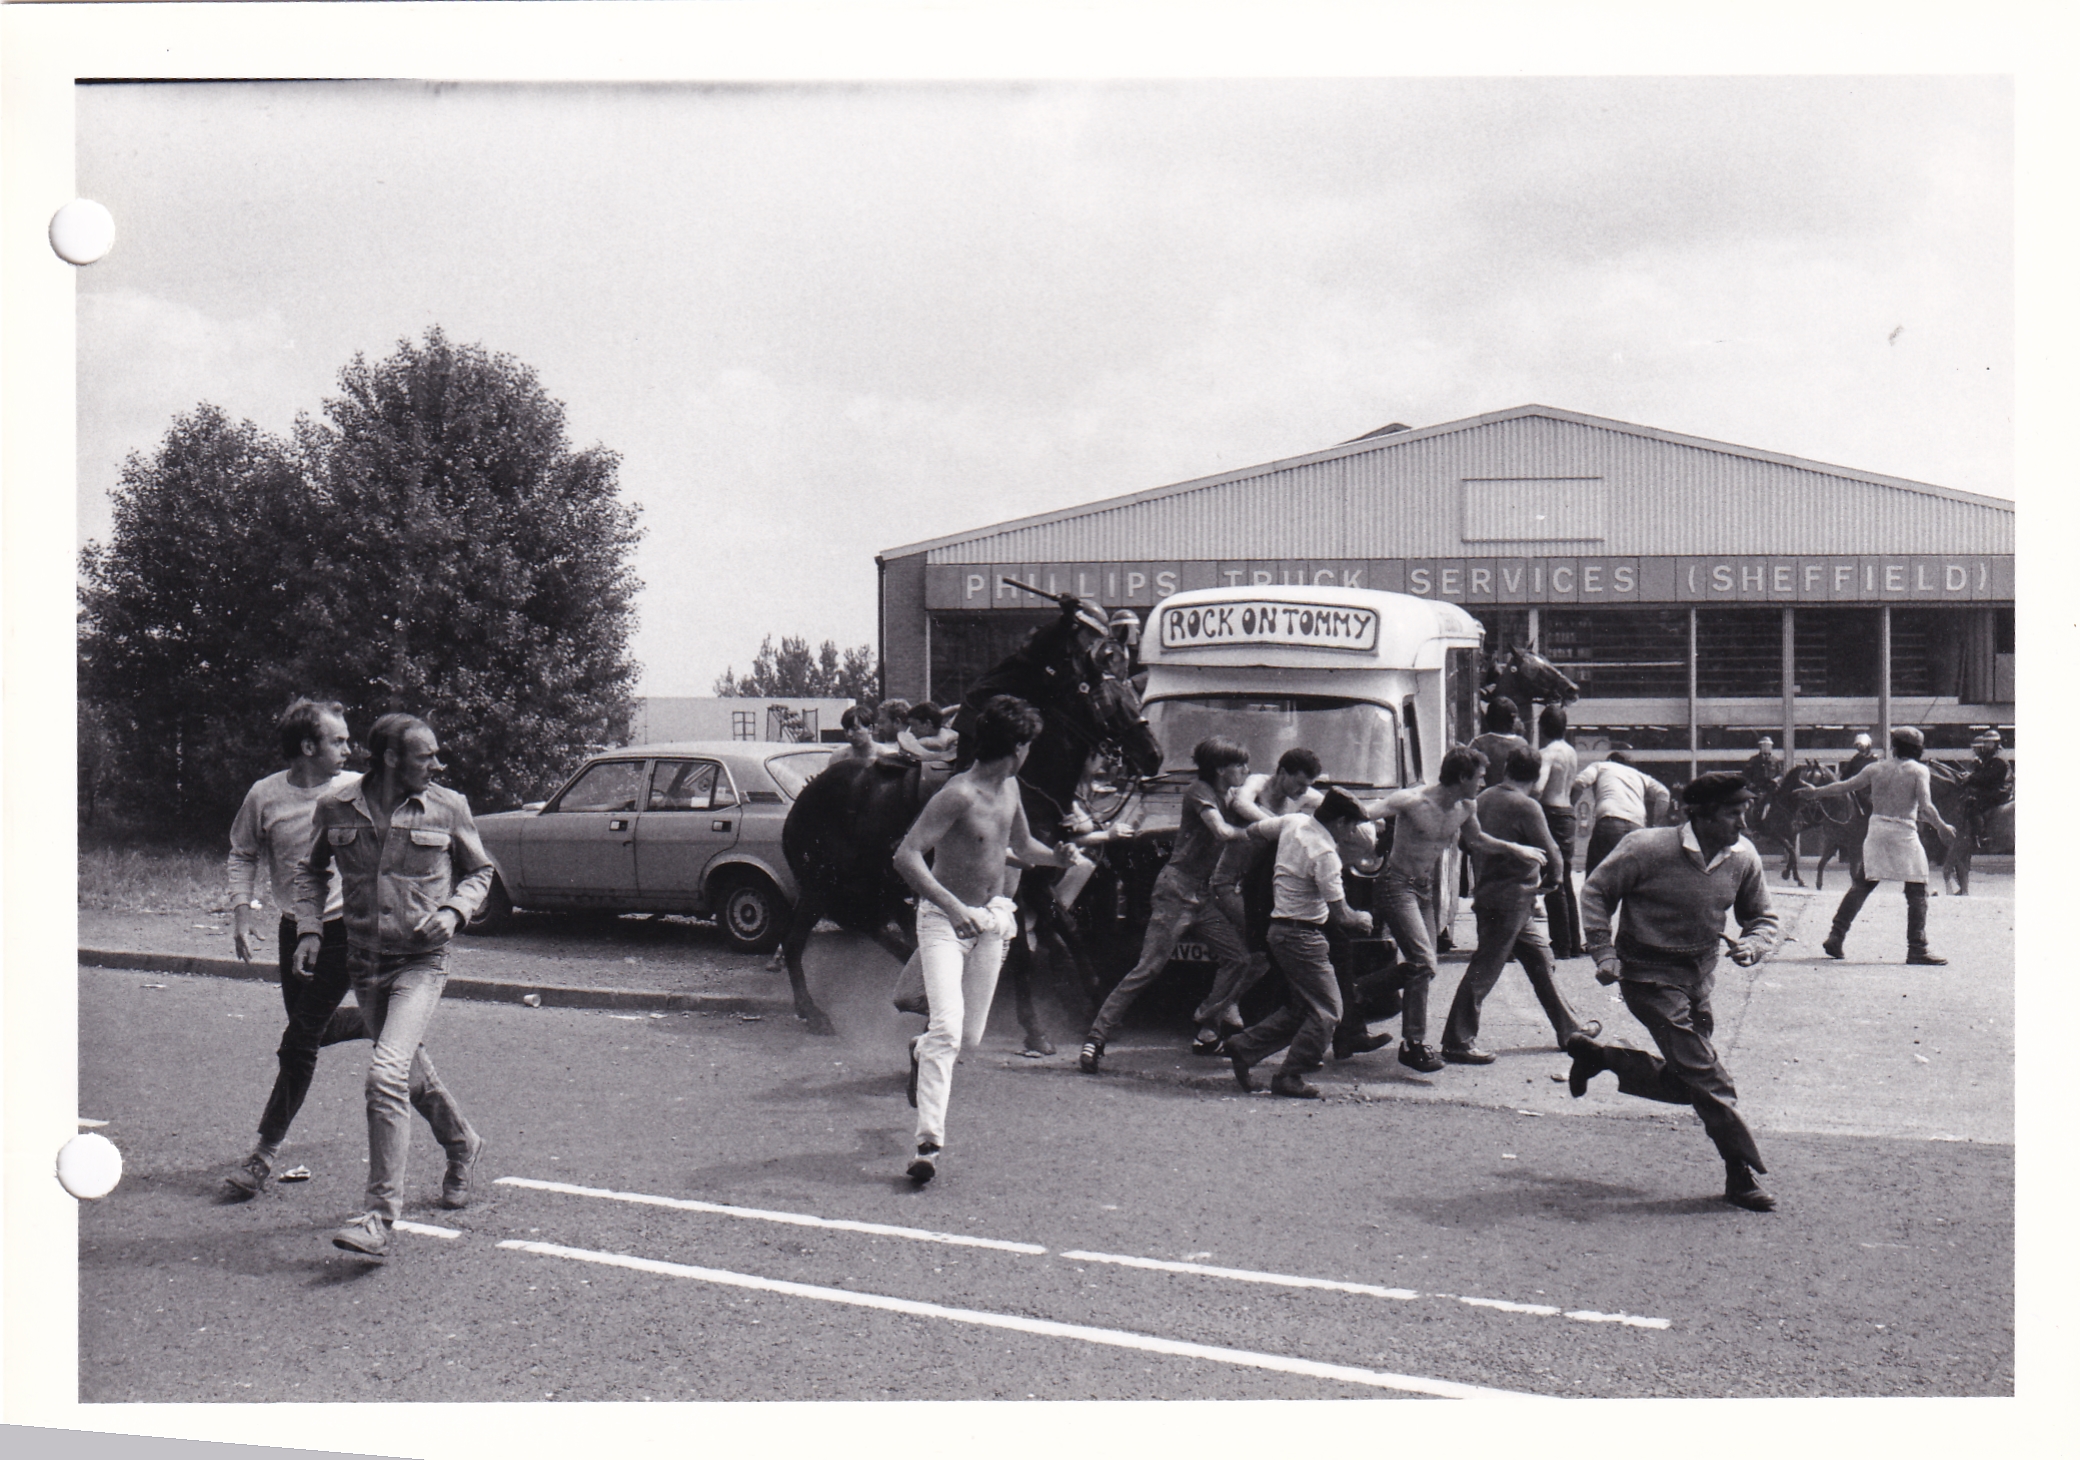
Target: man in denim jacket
413,873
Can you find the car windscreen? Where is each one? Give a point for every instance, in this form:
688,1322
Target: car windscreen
793,771
1354,738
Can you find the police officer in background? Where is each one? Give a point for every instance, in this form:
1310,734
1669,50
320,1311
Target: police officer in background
1988,787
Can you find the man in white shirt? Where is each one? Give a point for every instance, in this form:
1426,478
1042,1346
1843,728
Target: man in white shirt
1307,894
1625,799
1289,789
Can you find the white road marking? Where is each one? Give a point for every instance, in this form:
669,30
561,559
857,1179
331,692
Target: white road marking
425,1231
792,1219
1544,1310
1244,1275
86,1124
1365,1290
1034,1249
1110,1337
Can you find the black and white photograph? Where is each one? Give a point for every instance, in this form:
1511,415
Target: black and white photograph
976,736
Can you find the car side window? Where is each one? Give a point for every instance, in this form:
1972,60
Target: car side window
683,785
612,785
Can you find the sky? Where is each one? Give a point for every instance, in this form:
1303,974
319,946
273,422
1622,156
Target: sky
821,321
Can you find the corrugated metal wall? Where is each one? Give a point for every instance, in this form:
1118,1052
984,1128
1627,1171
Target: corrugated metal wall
1403,499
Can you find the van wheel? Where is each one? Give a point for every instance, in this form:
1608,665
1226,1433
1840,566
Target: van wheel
496,915
751,913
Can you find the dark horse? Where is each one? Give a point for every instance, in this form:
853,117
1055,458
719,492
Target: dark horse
1527,678
841,834
1783,815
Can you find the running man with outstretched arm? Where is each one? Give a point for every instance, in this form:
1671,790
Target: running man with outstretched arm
973,826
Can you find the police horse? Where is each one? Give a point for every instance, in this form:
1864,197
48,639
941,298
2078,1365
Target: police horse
1526,679
841,834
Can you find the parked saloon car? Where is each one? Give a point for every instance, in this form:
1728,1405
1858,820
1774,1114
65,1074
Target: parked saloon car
687,827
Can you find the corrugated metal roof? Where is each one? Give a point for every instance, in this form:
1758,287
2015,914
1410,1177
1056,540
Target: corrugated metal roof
1618,488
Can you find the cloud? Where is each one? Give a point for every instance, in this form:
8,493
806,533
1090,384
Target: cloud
144,360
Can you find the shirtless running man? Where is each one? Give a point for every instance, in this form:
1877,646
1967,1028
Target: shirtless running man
1427,819
973,827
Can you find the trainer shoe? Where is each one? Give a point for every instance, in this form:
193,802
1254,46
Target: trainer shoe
1420,1057
368,1234
1454,1055
925,1165
251,1177
455,1185
1093,1051
1294,1088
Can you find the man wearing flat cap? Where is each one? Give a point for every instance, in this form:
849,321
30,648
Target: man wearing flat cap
1306,899
1676,885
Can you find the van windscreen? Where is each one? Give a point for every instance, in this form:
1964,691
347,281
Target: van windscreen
1354,738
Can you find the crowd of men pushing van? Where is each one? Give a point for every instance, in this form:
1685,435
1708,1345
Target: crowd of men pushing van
383,870
1257,874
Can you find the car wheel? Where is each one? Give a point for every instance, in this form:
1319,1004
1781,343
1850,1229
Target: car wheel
751,913
496,915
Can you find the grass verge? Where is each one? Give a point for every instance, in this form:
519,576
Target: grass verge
151,879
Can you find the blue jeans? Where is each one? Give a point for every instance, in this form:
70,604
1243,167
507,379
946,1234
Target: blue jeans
1175,907
1405,902
398,996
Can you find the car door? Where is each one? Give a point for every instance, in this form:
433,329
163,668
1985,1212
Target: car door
583,844
691,813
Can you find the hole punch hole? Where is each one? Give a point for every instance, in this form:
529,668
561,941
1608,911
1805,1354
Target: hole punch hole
82,232
89,1166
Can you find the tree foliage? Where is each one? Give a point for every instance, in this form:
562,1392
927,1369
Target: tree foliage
792,671
432,544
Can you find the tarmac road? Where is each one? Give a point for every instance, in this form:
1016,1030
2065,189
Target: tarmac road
1579,1249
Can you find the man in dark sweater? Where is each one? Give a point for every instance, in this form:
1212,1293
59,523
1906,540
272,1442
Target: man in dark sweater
1498,738
1676,885
1505,896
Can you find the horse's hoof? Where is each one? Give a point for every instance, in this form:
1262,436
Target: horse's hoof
1038,1044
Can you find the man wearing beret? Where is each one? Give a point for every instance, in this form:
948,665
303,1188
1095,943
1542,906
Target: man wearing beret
1676,885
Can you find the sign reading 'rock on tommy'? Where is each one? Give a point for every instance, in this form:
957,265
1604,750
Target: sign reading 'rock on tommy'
1300,626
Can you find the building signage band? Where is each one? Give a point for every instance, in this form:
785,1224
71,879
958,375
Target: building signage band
1898,578
1221,625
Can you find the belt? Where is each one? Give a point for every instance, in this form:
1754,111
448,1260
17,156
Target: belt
1298,922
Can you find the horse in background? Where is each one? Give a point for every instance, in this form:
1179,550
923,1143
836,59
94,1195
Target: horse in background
1526,678
1785,815
841,833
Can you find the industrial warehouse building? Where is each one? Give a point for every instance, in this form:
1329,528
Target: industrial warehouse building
1700,593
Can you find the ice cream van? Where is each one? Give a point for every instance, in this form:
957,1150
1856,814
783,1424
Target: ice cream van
1379,685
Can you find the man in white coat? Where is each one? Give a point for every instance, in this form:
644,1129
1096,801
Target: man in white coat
1892,850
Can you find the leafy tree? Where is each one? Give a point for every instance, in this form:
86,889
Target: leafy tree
482,563
792,671
433,544
192,616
